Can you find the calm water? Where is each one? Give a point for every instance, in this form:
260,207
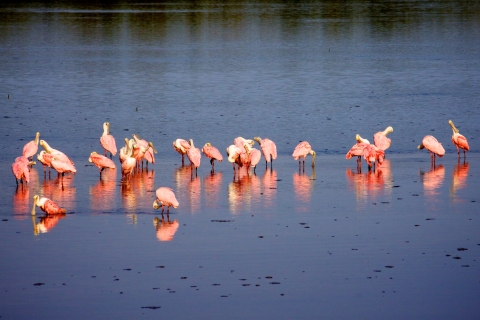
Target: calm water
327,243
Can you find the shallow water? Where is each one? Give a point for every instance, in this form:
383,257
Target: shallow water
324,243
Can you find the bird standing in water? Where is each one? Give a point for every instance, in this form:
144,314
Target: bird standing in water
269,150
459,140
301,151
107,141
31,148
212,153
47,206
165,197
432,145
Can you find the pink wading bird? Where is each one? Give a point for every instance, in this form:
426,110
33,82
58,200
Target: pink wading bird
62,167
372,154
107,141
165,197
31,148
122,155
269,150
46,160
301,151
47,206
20,170
181,146
357,150
432,145
58,154
212,153
194,156
128,163
255,156
142,150
459,141
233,154
101,162
380,139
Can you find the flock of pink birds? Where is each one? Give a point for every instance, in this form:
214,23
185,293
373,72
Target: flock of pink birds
241,154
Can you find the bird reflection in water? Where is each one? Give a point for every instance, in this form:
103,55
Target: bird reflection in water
269,181
188,187
62,190
137,194
212,184
372,184
165,230
20,202
102,194
243,190
459,178
46,223
432,180
303,187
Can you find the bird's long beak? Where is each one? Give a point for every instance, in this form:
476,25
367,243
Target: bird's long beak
455,130
151,145
34,204
420,146
314,155
358,138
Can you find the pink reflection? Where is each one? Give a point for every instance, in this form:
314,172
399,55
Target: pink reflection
102,194
165,230
22,198
433,180
269,181
212,185
459,178
46,223
303,187
372,184
243,190
189,186
139,192
61,190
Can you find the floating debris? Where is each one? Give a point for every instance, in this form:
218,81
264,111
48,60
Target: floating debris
151,307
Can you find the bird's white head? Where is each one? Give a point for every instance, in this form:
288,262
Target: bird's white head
455,130
388,130
360,139
258,139
156,204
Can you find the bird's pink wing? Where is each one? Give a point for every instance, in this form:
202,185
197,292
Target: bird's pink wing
102,161
431,144
301,150
213,153
62,157
51,207
381,141
185,144
149,156
255,157
460,141
61,166
16,169
356,150
167,197
30,149
108,143
194,156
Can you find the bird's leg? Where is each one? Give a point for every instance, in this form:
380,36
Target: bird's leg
182,159
254,168
168,211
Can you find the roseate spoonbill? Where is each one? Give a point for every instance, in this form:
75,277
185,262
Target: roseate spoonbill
459,140
372,154
47,206
129,161
212,153
432,145
58,154
233,153
141,150
181,146
31,148
255,156
149,155
20,170
62,167
380,139
301,151
194,155
101,162
107,141
240,142
165,197
46,160
122,155
357,150
269,150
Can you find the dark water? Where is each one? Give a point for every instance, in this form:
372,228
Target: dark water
327,243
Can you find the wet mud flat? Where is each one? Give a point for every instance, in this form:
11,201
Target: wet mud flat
328,242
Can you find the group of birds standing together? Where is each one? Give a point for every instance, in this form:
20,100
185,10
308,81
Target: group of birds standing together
241,154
